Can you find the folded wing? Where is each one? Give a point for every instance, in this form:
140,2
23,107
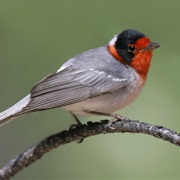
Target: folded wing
71,85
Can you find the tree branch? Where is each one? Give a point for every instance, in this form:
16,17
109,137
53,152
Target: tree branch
81,132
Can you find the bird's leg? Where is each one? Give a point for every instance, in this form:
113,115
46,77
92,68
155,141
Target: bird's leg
115,117
78,123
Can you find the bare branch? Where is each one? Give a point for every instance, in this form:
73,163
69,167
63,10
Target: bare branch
81,132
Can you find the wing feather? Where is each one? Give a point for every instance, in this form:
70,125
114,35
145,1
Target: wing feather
71,85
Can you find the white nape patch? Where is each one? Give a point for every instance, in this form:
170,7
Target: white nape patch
113,40
96,71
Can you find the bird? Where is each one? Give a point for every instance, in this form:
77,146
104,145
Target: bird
99,81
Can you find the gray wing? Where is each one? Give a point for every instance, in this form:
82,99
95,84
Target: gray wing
71,85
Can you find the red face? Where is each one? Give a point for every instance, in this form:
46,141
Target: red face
142,57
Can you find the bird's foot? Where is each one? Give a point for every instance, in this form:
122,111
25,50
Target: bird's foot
116,117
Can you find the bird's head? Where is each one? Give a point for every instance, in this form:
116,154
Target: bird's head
134,49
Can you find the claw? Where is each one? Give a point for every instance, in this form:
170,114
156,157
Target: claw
80,141
73,126
117,117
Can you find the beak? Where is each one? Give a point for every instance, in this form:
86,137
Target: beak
151,46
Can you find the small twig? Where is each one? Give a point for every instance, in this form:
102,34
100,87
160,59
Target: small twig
84,131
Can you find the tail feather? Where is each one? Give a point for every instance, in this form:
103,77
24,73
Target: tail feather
11,113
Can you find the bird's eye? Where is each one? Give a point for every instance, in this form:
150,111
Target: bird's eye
131,48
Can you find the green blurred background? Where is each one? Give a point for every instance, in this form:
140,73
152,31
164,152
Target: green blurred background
36,37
